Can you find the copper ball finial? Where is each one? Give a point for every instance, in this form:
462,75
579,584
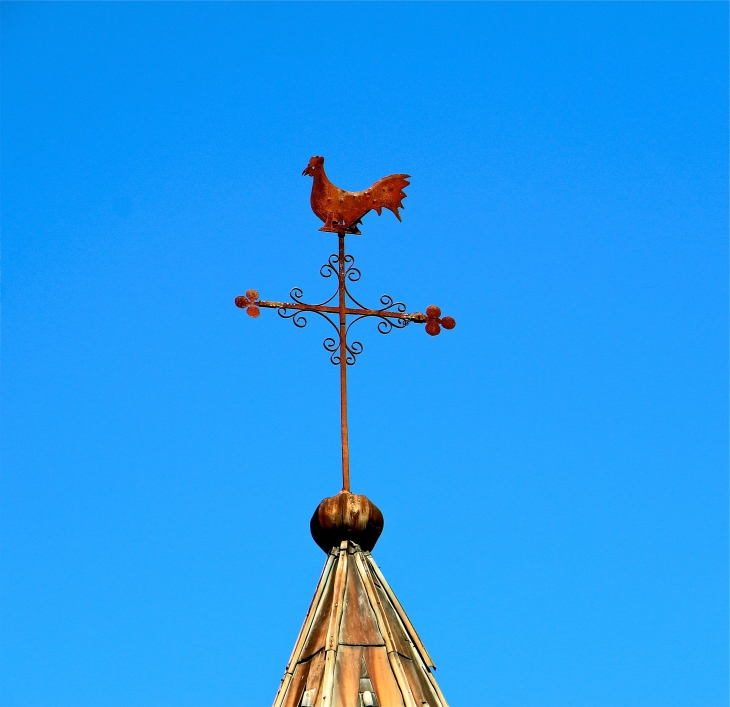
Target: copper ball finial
346,516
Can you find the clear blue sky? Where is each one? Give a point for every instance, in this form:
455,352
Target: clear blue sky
553,473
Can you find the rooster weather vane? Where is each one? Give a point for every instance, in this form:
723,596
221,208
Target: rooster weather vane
342,211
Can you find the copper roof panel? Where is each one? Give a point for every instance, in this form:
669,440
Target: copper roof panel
416,685
397,631
297,685
347,675
318,632
411,631
381,675
358,626
314,678
355,640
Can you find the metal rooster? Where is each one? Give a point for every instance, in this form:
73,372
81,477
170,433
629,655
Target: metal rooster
342,210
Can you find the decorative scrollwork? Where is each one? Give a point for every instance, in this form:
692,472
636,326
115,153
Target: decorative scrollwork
386,315
331,267
385,326
351,272
388,303
296,315
297,293
353,351
333,347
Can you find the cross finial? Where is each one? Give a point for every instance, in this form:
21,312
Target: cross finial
341,212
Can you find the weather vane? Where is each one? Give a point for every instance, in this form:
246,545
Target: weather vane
342,211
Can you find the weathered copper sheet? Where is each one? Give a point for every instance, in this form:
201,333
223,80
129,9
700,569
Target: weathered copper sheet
399,637
297,685
318,633
355,641
381,675
416,685
314,678
347,675
358,627
412,633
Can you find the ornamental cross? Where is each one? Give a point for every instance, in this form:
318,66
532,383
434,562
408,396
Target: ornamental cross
342,212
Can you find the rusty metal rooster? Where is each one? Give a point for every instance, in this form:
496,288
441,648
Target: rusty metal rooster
342,210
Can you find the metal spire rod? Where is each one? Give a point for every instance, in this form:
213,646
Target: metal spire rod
342,291
391,315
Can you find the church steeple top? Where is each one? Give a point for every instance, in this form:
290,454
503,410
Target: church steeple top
357,647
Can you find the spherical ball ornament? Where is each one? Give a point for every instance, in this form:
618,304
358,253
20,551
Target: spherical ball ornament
241,301
433,328
448,322
433,312
346,516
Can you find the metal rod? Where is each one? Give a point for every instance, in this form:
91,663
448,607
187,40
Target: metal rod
417,317
343,368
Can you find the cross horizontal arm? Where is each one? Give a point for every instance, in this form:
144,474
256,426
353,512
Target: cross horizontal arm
432,318
417,317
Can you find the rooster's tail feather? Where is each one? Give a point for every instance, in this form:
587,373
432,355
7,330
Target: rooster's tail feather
388,193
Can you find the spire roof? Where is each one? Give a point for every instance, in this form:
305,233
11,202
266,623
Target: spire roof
357,647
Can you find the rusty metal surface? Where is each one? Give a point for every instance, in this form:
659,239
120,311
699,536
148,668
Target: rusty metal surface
342,211
364,646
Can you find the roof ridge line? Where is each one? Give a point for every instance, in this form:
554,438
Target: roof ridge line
304,631
386,631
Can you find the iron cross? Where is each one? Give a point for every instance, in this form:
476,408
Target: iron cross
341,305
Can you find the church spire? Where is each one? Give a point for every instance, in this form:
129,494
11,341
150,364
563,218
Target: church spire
357,647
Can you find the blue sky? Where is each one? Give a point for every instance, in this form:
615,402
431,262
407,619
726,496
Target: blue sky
553,472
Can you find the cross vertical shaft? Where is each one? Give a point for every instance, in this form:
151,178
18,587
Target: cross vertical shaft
343,366
390,315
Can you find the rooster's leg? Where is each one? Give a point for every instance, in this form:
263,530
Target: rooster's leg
332,224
